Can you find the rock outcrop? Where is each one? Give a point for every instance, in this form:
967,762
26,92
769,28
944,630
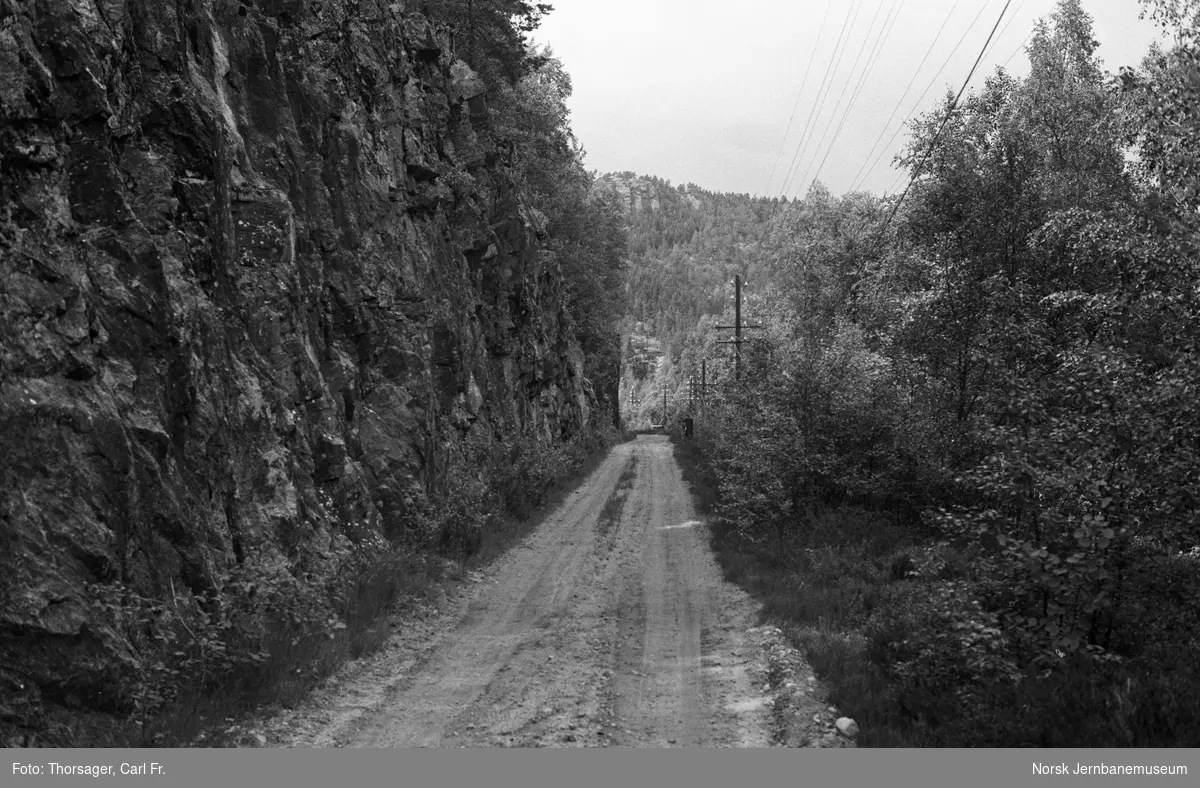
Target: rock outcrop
262,275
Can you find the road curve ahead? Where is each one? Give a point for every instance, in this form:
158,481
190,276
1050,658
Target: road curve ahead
610,624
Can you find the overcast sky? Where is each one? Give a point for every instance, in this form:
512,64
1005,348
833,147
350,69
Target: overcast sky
700,91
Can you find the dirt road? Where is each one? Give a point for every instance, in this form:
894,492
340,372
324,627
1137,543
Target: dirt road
609,625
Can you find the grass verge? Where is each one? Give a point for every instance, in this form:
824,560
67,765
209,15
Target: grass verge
510,528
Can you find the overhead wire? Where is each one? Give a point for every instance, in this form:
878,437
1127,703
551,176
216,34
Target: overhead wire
819,102
843,93
887,124
925,92
1011,18
949,111
933,142
872,59
1017,50
825,84
989,45
812,56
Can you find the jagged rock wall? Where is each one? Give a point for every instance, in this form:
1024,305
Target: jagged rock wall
261,271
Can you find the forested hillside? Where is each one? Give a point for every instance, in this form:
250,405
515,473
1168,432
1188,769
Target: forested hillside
684,246
962,460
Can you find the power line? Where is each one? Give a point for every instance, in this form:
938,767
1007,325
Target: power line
819,102
1017,50
884,31
889,23
945,120
900,101
844,93
1004,29
922,97
917,103
812,55
873,58
822,93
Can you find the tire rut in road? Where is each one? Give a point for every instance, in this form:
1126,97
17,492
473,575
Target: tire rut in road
658,690
610,624
532,587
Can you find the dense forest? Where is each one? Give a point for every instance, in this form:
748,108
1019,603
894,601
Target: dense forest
962,459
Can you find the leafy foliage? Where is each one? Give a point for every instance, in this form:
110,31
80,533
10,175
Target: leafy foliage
586,238
493,34
1010,367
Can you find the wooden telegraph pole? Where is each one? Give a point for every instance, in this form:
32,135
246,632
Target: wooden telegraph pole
737,328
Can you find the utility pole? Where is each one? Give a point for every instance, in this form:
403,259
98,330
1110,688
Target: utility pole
737,328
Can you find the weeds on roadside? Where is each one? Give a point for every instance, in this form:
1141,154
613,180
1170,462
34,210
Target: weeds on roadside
272,632
908,634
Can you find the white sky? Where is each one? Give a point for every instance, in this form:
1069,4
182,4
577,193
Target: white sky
700,91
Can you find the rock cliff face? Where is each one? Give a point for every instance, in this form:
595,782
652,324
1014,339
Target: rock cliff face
262,276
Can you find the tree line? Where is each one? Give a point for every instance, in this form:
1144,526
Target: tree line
972,414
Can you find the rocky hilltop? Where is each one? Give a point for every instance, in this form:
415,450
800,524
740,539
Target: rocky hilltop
264,277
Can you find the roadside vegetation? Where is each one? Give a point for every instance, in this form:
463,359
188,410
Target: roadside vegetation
205,662
961,467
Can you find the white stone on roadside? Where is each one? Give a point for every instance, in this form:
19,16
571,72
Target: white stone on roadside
847,727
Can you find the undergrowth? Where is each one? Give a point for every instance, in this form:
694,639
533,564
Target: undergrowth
198,663
906,632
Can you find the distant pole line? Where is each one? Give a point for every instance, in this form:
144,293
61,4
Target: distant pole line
737,328
900,101
950,111
925,92
811,57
